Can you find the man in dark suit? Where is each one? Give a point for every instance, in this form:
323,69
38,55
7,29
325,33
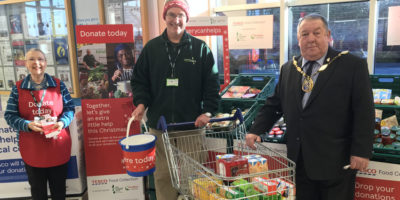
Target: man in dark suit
328,108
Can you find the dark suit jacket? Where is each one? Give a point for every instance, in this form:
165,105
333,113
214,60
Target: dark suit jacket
337,121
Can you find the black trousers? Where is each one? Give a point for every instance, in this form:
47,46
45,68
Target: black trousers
56,176
341,188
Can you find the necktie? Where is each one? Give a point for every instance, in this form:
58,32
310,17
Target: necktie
310,65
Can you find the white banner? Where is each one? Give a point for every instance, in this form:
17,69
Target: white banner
250,32
85,16
381,170
115,187
208,21
393,36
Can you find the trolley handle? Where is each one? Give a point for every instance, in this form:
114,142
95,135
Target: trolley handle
162,124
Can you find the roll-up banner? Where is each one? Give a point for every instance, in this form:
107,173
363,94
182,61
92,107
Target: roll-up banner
105,66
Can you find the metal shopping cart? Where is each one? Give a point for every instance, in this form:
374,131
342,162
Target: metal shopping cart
217,164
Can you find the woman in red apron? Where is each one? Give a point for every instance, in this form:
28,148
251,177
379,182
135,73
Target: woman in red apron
40,108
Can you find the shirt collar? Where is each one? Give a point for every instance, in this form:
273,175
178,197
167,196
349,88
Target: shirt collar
319,61
185,37
26,82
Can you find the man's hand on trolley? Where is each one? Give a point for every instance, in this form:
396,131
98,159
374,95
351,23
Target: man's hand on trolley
251,139
202,120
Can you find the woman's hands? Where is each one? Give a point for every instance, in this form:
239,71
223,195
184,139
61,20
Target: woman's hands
35,126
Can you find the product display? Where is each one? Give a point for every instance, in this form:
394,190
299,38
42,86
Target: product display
381,94
277,133
386,132
245,86
223,124
241,92
386,91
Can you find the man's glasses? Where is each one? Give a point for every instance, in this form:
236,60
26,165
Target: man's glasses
173,16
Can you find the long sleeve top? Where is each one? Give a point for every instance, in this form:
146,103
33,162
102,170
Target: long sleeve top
12,111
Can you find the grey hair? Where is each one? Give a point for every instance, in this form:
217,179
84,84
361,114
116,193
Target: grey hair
314,16
38,50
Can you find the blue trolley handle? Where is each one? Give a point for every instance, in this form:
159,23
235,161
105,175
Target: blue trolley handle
162,124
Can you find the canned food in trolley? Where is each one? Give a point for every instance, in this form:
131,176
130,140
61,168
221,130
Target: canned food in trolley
139,153
217,164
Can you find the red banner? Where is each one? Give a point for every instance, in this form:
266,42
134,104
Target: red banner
207,30
379,181
107,107
367,189
215,30
104,124
116,33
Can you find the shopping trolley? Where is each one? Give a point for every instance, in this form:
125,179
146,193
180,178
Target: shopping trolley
215,163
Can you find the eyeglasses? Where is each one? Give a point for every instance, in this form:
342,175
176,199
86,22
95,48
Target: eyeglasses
173,16
41,60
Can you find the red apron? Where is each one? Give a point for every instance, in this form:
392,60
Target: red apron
37,150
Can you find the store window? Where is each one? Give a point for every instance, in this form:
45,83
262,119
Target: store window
348,23
387,57
255,60
126,12
34,24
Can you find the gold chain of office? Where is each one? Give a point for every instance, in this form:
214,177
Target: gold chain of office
308,83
